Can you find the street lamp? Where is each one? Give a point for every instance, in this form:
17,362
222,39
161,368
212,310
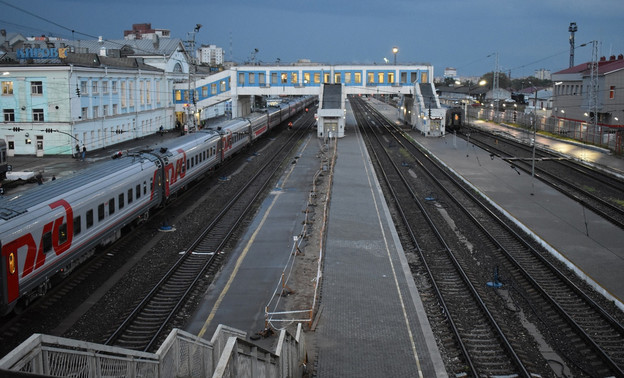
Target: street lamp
534,141
395,50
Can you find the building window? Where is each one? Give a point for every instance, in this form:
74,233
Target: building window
105,110
114,86
114,109
131,94
123,94
9,115
7,87
96,111
105,87
37,115
83,88
612,91
83,112
36,87
94,87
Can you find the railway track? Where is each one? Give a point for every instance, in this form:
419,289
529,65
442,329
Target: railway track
600,192
471,243
147,324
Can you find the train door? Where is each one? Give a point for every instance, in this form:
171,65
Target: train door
331,128
39,146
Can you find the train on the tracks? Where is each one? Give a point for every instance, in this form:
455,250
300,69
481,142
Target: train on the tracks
453,119
48,230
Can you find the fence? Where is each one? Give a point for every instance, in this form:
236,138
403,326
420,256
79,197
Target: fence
611,138
227,354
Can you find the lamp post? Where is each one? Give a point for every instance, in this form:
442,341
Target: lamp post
395,50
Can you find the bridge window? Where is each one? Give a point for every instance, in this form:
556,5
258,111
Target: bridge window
261,78
204,91
337,78
306,78
178,95
293,77
403,77
381,77
391,77
348,77
317,78
358,78
414,77
326,78
223,85
371,78
273,77
241,78
252,78
423,77
213,89
284,78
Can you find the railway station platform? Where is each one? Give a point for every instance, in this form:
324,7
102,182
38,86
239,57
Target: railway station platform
589,245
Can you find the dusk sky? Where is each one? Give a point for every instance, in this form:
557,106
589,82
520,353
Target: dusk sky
527,35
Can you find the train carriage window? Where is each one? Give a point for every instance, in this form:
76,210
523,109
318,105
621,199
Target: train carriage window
62,233
138,191
121,201
47,242
145,186
101,212
111,206
129,196
77,225
89,218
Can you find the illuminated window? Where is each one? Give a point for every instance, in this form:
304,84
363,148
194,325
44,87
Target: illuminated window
317,78
178,95
306,78
612,91
371,77
423,77
348,77
358,78
391,77
131,93
294,78
204,91
337,77
381,77
326,78
213,88
7,87
123,94
284,78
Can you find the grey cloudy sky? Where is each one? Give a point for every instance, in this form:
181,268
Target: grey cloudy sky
527,35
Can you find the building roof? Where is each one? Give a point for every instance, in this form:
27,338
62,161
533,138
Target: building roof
604,66
128,47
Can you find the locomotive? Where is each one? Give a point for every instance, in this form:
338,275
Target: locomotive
47,231
453,120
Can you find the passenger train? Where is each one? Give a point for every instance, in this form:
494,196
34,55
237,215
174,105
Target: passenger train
453,119
46,231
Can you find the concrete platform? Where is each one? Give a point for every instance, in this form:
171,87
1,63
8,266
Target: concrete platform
588,244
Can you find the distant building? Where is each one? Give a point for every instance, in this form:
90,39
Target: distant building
450,72
145,31
575,98
210,54
542,74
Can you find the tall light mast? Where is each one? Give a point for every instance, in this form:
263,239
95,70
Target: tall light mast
572,29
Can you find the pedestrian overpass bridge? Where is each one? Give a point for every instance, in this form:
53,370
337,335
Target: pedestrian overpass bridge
241,83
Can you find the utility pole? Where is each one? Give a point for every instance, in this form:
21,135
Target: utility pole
593,87
191,94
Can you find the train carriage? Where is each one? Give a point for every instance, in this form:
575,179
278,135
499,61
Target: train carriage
235,135
259,124
52,228
186,158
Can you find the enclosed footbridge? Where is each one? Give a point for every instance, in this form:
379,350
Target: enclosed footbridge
240,85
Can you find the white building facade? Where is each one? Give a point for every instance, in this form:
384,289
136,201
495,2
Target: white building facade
210,54
51,109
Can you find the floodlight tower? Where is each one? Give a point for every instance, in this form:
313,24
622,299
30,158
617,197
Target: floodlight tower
572,29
